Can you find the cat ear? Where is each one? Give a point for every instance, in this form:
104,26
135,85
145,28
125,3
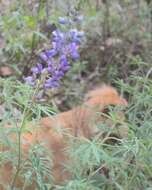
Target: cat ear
94,92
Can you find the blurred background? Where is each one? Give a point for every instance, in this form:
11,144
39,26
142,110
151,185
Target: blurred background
117,45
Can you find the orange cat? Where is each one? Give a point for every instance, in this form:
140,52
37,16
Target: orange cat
53,132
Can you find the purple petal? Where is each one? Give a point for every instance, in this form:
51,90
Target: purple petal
43,56
63,58
58,34
54,45
73,51
51,53
35,70
73,33
59,74
50,69
38,69
29,80
75,55
76,36
62,20
77,40
65,68
51,84
64,65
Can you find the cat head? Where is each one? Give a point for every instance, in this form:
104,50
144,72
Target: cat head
104,96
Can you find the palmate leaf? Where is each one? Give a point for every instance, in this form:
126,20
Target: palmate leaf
87,154
38,167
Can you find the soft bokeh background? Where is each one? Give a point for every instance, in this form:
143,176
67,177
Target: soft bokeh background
117,50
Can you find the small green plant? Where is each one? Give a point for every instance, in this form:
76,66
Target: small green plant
18,96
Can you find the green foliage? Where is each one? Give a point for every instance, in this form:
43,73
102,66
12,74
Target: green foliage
118,51
17,96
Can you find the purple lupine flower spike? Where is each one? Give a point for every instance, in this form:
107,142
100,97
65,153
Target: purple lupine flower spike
55,62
